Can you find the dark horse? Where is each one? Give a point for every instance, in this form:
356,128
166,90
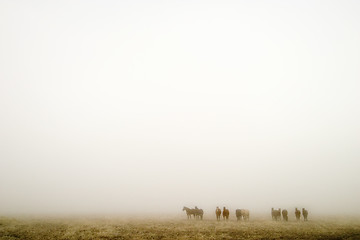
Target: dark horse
305,214
189,212
297,214
285,215
226,214
198,213
218,213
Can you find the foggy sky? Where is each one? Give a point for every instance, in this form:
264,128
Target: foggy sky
122,106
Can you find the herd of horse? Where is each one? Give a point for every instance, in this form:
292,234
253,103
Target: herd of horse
196,212
276,214
243,214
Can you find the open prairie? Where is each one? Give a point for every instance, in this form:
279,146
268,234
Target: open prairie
113,228
116,115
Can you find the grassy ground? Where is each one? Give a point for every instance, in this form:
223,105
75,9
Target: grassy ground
92,228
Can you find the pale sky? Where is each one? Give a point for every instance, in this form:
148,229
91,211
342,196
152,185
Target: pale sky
116,106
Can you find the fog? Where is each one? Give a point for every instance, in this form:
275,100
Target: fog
121,107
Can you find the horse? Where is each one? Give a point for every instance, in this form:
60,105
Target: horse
218,213
297,214
275,214
242,214
305,214
199,213
285,215
189,212
226,214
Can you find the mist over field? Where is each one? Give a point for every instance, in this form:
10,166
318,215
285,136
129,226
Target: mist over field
141,108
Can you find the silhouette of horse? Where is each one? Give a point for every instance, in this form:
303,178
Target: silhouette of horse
285,215
297,214
305,214
189,212
218,213
275,214
226,214
242,214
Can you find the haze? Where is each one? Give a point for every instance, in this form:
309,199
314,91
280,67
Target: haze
116,107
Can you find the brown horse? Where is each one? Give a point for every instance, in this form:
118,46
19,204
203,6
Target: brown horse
218,213
226,214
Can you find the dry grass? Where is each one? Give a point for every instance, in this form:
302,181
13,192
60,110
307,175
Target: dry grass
175,229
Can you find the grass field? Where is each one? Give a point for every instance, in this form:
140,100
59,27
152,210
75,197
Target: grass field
112,228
